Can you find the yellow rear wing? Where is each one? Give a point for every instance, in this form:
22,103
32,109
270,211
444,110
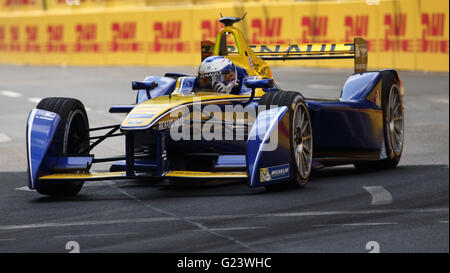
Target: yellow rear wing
356,50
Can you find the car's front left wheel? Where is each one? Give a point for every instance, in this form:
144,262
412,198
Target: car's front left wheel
300,134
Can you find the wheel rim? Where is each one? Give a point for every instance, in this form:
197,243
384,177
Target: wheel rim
302,141
395,121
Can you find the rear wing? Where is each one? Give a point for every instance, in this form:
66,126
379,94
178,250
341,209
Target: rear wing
356,50
319,51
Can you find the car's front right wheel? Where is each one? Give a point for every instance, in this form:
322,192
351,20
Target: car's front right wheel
71,138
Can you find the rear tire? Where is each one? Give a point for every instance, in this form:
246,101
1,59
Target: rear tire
393,124
70,139
300,130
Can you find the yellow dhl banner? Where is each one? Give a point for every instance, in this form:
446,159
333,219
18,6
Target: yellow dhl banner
405,34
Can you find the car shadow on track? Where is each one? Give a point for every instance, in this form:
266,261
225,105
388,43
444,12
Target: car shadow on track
320,181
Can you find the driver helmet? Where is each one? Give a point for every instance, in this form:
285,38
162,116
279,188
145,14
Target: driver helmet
217,73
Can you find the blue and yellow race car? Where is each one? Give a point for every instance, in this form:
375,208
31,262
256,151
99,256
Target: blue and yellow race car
231,122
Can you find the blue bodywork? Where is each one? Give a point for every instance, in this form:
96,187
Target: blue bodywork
41,128
260,152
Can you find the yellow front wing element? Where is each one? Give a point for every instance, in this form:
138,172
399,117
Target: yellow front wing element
211,175
170,174
83,176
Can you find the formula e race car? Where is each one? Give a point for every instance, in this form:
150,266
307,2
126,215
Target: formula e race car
256,133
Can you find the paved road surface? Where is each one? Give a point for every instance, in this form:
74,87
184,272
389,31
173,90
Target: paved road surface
340,210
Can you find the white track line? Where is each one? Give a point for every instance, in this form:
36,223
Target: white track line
96,184
322,86
24,188
96,235
221,217
229,228
34,100
354,224
443,222
7,239
440,100
189,220
4,138
11,94
100,183
380,196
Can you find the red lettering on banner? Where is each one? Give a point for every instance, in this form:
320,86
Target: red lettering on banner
358,26
124,37
168,37
55,41
315,29
395,32
3,46
86,38
9,3
433,39
14,43
210,29
267,31
31,42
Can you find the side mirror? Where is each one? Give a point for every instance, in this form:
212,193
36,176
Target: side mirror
139,85
258,83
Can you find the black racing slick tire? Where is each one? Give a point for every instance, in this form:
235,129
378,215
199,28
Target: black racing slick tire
300,134
393,124
71,138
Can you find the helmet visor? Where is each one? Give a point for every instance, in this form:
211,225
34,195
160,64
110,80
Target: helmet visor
208,79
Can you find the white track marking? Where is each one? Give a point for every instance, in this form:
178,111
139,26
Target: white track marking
322,86
189,220
7,239
4,138
101,112
228,228
99,183
24,188
222,217
11,94
380,196
95,184
354,224
96,235
440,100
34,100
443,222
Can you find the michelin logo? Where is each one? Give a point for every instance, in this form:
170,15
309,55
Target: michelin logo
274,173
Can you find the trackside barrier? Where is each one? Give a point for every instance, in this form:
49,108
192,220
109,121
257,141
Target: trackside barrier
403,34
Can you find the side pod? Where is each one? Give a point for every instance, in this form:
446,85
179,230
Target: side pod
41,128
268,146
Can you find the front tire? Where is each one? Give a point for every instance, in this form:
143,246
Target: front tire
300,131
71,138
